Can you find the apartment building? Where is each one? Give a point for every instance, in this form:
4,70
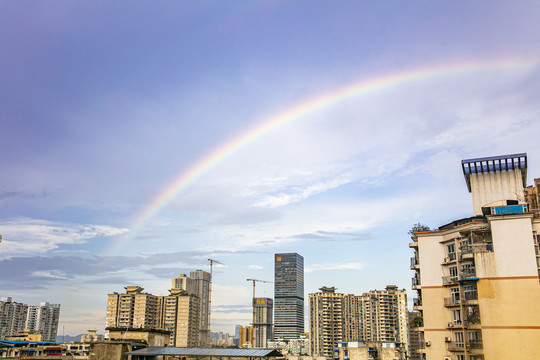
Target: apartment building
477,278
383,316
12,317
198,283
262,327
134,309
325,321
181,316
351,317
43,319
178,313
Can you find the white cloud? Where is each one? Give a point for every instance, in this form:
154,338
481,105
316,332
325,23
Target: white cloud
52,274
256,267
333,266
34,236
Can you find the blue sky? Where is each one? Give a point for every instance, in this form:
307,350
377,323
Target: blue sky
104,104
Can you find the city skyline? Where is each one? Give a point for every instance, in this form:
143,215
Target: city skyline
141,139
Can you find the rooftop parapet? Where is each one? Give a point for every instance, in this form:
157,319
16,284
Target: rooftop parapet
495,178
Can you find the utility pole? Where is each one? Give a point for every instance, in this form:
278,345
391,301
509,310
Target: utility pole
253,304
212,261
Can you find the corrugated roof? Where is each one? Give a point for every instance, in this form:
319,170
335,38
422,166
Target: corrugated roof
217,352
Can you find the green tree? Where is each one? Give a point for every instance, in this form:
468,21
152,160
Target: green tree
418,227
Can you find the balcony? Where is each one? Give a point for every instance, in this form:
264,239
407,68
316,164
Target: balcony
467,250
475,344
472,320
414,263
417,303
449,280
468,273
451,301
415,283
456,346
413,245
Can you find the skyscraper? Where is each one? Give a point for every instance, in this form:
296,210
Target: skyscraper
288,296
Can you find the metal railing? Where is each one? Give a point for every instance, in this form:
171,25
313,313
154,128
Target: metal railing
449,280
451,301
467,273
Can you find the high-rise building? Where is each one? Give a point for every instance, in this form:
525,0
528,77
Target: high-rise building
245,337
12,317
325,321
477,278
351,317
383,316
198,283
43,319
134,309
262,327
288,296
180,315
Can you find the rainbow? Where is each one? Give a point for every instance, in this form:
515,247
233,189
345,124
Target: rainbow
305,108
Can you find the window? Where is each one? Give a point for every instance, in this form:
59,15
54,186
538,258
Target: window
454,294
453,273
451,250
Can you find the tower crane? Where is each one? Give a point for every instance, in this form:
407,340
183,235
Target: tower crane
253,304
212,261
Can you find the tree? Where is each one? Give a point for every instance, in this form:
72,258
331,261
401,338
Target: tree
417,228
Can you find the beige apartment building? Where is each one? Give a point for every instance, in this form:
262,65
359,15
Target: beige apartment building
478,278
178,313
325,321
198,283
383,316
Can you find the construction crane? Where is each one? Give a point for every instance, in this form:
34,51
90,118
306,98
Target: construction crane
212,261
253,301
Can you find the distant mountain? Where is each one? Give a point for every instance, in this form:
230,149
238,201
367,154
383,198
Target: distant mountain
68,338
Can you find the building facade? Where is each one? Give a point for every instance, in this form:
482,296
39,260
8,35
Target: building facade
288,296
198,283
477,279
326,324
12,317
181,316
179,313
383,316
262,327
16,318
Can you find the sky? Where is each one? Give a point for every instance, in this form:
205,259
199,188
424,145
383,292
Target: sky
141,138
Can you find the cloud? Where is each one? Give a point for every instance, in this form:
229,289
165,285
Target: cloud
21,195
34,236
51,274
332,267
329,236
256,267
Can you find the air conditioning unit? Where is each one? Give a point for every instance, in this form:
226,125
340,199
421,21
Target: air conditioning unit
447,339
446,260
428,343
447,358
450,324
